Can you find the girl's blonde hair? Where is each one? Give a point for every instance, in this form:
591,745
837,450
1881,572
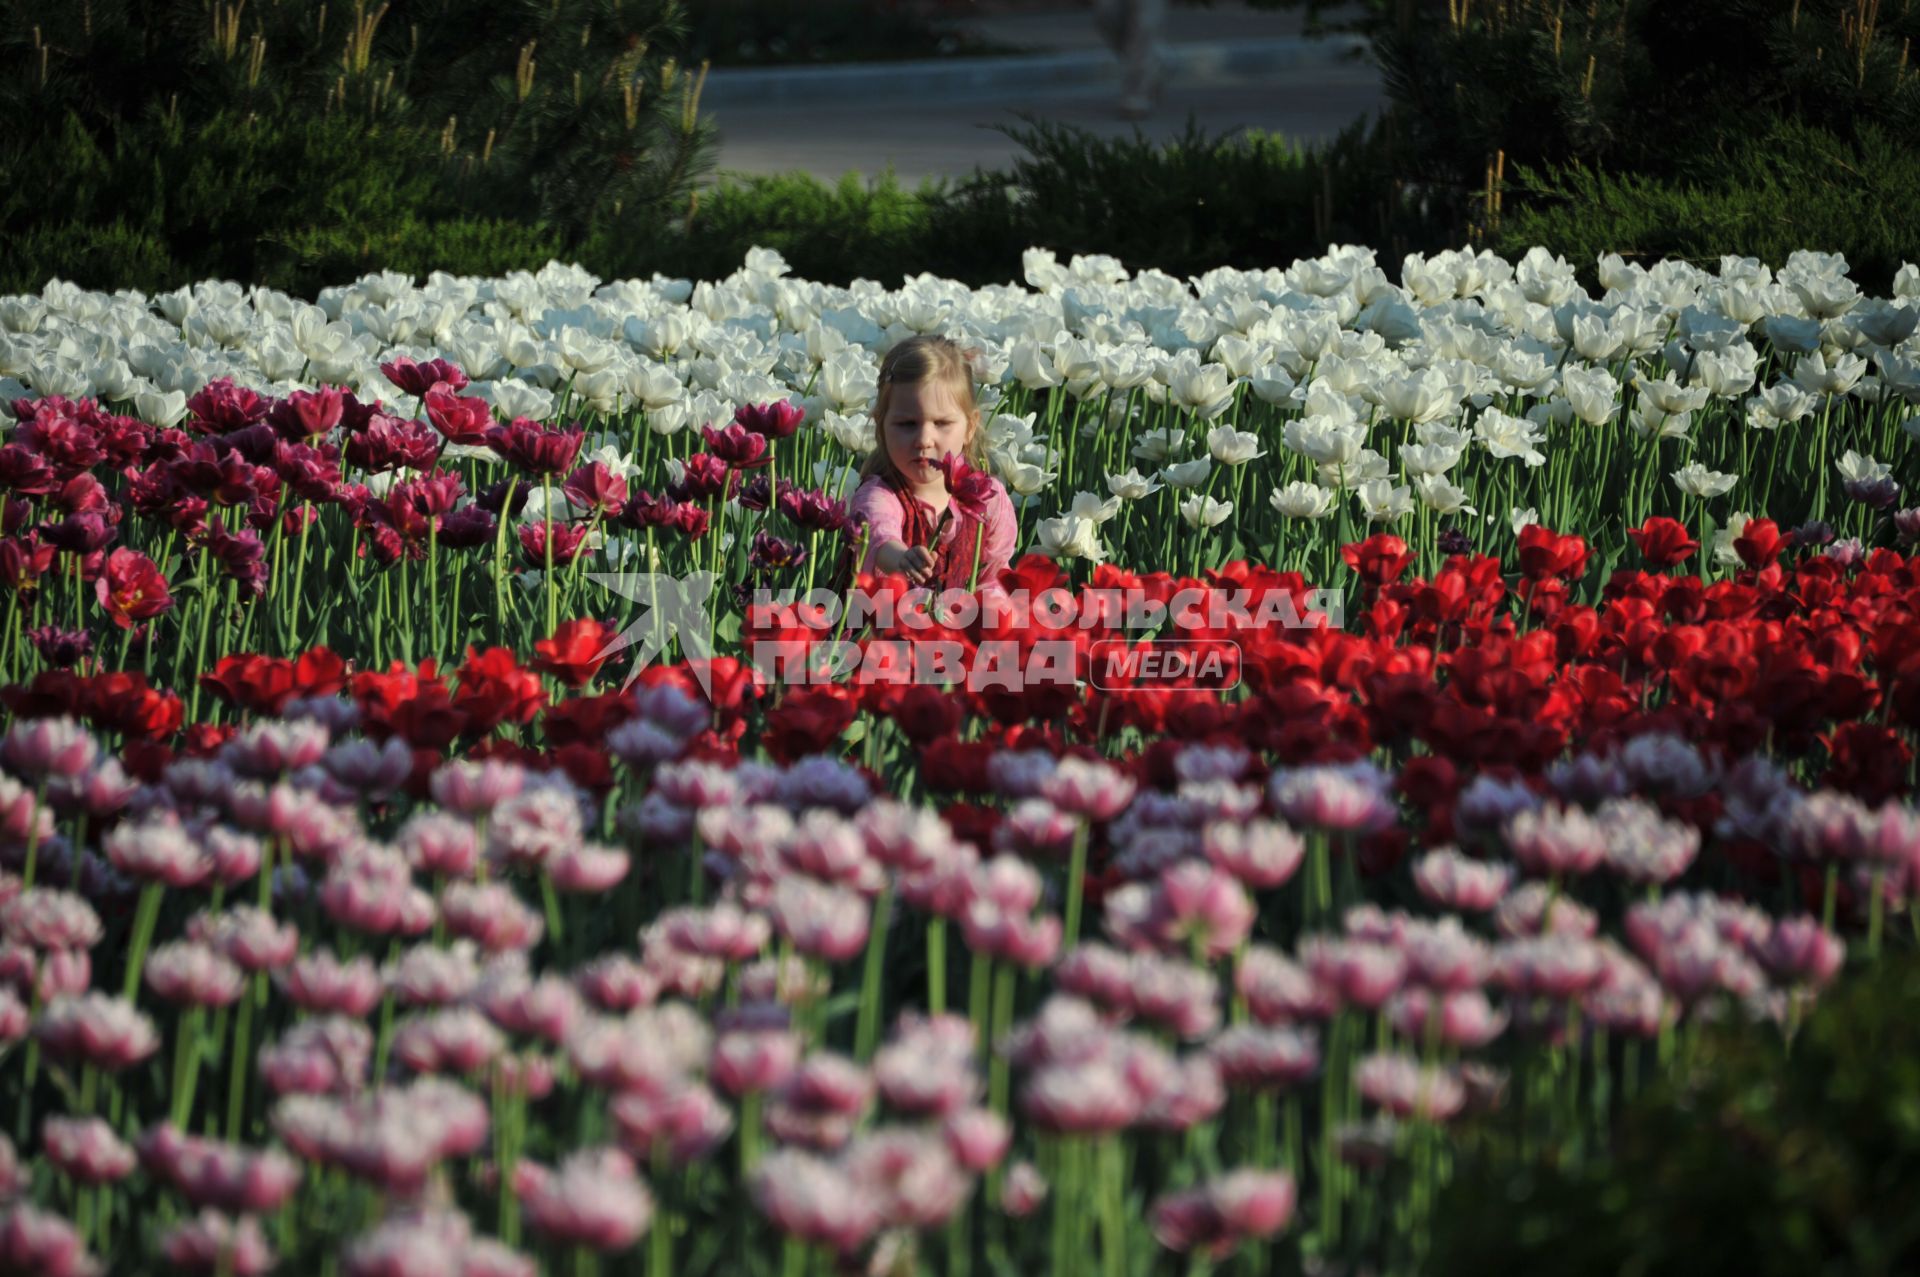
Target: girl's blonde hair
917,361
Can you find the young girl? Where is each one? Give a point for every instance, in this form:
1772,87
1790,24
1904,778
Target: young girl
924,411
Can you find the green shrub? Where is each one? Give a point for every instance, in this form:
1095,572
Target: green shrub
230,139
1761,1162
1784,187
1185,207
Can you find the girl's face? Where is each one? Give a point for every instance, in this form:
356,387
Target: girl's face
924,423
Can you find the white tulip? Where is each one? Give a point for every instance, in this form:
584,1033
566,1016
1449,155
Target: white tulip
1507,437
1033,367
1668,396
1206,390
1088,506
1324,440
1815,376
1204,512
1856,467
1070,537
1696,480
1302,501
1592,393
1131,486
1518,518
1419,396
1188,474
1156,446
1648,422
160,408
1383,503
1442,497
1232,447
1365,468
1428,459
852,431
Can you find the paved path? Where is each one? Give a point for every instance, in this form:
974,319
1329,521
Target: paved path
847,121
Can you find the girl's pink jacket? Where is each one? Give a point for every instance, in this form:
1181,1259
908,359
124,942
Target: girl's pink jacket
881,506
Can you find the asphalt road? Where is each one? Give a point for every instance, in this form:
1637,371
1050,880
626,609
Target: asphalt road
930,138
945,132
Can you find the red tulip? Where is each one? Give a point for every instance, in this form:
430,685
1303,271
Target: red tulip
774,420
1663,542
1379,559
419,378
1545,553
131,588
969,489
575,652
461,420
1759,543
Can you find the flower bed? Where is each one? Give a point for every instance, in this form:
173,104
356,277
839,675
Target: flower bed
1416,710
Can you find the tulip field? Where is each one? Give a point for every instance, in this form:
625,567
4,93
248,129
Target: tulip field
375,903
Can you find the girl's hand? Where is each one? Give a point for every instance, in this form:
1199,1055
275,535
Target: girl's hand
913,562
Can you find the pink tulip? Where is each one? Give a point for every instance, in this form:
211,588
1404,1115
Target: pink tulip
910,1175
1023,1190
455,1040
1265,1059
492,916
47,747
1088,1098
616,983
321,984
252,940
685,1121
527,829
318,1056
1345,799
1037,829
1262,853
1091,790
822,922
189,974
1799,951
1525,913
1359,974
978,1138
43,1244
475,788
1279,991
1202,908
212,1243
436,842
46,918
272,748
588,869
1405,1088
108,1033
157,849
1452,881
1445,956
753,1060
86,1149
811,1200
545,1008
1555,840
223,1176
595,1200
1556,967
